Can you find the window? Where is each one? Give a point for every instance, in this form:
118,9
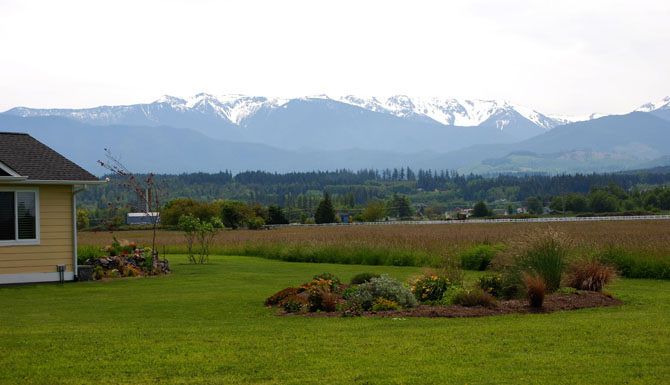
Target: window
19,219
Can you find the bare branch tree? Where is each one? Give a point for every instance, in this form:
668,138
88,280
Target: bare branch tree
148,190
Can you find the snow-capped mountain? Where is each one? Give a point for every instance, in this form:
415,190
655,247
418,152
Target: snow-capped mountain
229,108
454,112
235,109
397,123
663,104
659,108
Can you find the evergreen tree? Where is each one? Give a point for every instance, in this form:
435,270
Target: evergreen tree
480,210
399,206
276,215
325,212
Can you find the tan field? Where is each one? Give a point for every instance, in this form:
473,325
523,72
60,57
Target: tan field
651,237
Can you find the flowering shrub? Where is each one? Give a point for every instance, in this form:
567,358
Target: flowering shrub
492,284
316,289
131,271
382,304
327,277
430,287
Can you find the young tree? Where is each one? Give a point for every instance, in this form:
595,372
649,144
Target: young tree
149,191
325,212
374,212
202,231
82,219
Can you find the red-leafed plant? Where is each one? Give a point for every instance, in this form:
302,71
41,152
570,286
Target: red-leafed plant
536,289
589,275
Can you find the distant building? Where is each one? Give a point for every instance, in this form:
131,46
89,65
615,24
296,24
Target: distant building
142,218
344,217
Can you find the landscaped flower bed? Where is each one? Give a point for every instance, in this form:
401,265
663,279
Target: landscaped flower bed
537,278
552,303
125,259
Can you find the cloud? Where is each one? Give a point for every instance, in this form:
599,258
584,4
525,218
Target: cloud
567,57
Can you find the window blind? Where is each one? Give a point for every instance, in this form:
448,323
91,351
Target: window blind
7,224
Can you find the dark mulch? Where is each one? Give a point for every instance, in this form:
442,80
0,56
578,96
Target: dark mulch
552,303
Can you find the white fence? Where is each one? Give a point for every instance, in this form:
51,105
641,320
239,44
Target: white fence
502,220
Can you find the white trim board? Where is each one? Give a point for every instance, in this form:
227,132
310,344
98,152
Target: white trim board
34,277
10,171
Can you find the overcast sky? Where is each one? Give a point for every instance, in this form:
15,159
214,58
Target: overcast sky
559,57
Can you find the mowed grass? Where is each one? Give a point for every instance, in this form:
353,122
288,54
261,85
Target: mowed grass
206,324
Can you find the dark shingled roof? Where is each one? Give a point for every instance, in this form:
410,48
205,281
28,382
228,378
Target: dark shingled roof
30,157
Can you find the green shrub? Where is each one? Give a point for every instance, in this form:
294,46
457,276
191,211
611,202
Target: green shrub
479,257
113,273
567,290
98,272
384,287
635,265
255,223
545,254
349,309
86,252
350,292
493,284
449,296
473,297
363,277
383,304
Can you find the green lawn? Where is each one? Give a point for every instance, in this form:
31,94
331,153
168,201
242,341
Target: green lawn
207,324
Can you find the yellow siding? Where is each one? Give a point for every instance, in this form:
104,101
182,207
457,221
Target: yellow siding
56,236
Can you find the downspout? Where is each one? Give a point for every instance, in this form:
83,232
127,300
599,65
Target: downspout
74,228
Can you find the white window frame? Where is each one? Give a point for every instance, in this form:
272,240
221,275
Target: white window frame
17,241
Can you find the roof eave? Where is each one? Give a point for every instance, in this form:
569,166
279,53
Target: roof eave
13,179
23,180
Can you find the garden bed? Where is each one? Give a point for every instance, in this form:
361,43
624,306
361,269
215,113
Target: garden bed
552,303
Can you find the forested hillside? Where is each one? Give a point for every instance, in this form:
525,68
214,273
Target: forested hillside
429,191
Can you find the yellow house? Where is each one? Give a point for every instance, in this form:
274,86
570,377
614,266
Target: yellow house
38,222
